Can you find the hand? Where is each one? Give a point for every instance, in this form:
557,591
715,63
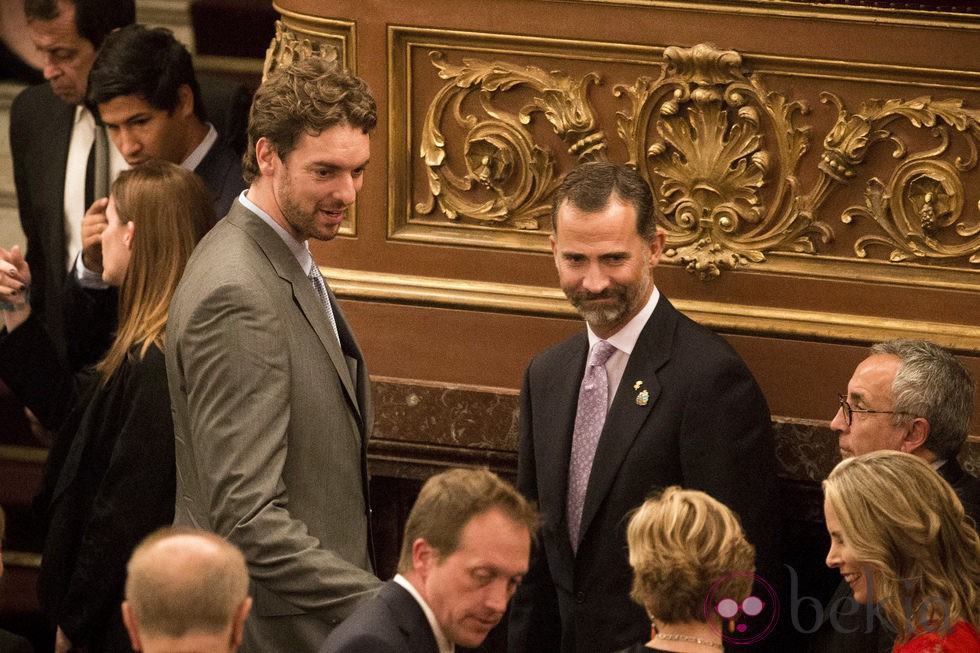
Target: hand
61,642
93,224
15,283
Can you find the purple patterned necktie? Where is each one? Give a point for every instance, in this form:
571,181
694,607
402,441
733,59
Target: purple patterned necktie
589,418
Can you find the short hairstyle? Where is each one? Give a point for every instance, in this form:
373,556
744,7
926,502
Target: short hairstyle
174,589
305,97
931,383
590,186
450,499
681,544
94,19
148,63
172,209
901,518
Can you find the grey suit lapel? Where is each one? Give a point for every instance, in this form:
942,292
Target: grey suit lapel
627,416
304,295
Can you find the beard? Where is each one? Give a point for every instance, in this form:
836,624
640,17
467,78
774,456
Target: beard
624,303
302,217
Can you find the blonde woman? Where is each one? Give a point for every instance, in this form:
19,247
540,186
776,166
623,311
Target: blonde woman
901,540
109,479
683,547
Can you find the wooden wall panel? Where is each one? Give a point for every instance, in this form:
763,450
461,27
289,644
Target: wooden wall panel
816,165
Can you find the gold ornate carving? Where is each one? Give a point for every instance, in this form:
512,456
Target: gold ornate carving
287,47
920,208
722,149
506,176
723,161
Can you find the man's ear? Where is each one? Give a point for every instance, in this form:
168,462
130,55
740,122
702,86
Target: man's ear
424,558
917,435
657,247
238,623
266,157
185,101
130,621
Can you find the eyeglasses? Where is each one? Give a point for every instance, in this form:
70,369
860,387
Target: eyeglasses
849,412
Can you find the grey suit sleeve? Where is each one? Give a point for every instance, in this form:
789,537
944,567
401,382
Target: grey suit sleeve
236,377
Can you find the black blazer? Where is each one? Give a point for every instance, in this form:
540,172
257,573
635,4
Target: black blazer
391,622
704,426
11,643
108,482
40,132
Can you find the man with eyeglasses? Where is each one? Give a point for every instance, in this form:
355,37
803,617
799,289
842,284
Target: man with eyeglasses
911,396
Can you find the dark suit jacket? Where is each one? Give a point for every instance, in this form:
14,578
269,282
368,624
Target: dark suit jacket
40,131
848,627
706,426
108,482
391,622
91,314
11,643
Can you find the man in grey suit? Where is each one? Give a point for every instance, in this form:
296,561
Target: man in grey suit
271,398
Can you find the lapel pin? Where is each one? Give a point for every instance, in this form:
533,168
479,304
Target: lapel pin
643,398
636,386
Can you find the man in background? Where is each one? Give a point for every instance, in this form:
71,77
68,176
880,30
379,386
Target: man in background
911,396
53,142
186,591
143,89
464,552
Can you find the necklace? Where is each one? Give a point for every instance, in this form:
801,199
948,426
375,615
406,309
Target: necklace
688,638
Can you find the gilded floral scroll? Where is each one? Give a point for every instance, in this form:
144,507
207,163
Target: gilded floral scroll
502,159
721,150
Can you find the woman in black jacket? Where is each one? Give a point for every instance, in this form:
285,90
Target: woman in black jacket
110,477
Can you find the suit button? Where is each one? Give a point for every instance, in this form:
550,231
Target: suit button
580,597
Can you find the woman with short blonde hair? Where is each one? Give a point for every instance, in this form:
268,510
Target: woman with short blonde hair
683,547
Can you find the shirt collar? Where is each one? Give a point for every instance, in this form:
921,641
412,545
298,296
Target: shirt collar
195,157
625,339
82,113
299,248
445,646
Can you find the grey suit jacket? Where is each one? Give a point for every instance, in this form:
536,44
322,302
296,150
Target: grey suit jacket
271,420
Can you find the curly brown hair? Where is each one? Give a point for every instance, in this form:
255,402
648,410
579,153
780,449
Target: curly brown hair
305,97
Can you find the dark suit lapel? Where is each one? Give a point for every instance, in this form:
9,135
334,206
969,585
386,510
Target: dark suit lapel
628,414
304,295
51,186
553,446
410,618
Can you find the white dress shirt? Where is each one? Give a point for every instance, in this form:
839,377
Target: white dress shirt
624,341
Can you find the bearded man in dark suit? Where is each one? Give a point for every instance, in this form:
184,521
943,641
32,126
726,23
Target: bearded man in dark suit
678,407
